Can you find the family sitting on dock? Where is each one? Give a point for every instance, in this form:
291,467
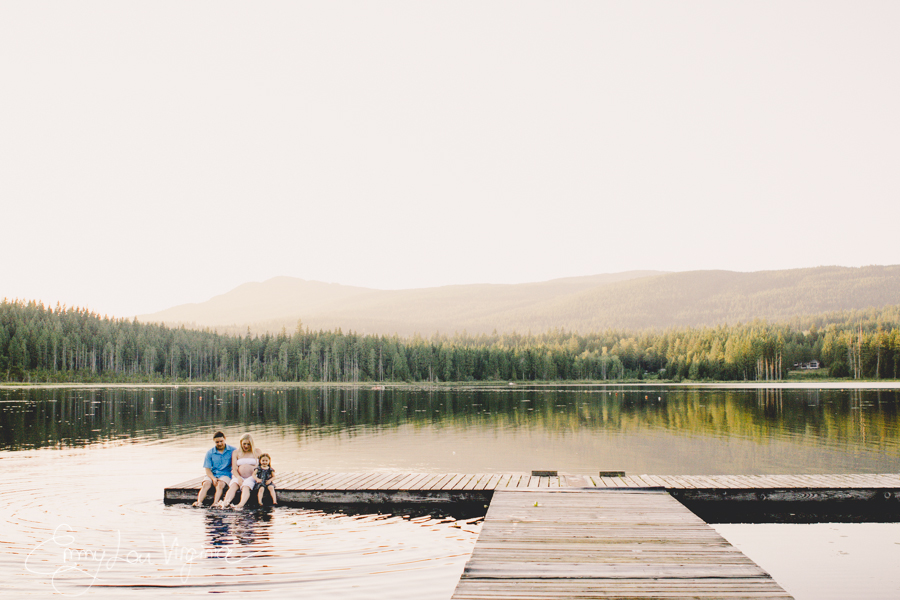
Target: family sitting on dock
246,468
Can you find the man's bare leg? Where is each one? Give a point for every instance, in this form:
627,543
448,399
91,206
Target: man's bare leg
220,487
204,487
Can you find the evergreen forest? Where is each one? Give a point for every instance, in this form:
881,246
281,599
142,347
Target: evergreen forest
41,344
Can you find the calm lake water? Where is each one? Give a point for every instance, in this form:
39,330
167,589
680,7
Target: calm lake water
84,470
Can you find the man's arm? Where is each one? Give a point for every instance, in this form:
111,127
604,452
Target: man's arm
207,466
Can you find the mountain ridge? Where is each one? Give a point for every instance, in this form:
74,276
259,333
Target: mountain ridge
631,300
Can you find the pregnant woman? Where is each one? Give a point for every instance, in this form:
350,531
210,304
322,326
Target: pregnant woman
244,461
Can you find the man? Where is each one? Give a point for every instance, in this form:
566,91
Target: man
218,469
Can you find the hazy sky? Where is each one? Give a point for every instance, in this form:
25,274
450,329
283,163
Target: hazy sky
156,153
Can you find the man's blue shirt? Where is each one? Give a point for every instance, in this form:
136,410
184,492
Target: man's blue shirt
219,462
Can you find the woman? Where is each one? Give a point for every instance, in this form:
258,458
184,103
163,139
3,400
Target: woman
244,461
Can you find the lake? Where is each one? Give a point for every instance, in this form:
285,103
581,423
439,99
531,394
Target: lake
85,469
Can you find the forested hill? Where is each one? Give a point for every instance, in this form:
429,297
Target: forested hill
635,300
40,344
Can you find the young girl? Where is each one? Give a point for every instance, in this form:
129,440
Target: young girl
266,474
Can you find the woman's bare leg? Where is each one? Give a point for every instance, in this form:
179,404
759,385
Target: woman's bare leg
232,490
245,495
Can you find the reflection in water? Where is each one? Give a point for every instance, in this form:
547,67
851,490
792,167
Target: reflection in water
106,532
582,429
245,528
96,461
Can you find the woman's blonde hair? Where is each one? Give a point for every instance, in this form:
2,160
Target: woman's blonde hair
248,437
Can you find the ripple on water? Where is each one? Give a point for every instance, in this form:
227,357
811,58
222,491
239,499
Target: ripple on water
92,522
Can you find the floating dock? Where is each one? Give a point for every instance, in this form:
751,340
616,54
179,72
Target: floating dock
715,497
555,535
604,543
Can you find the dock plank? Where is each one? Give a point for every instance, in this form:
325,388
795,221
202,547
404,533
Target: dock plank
559,543
460,482
359,480
379,482
503,482
452,482
634,481
391,484
426,482
315,479
511,482
654,480
438,482
344,482
409,481
489,483
729,481
473,483
882,490
327,481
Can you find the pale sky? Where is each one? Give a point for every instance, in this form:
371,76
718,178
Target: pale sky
156,153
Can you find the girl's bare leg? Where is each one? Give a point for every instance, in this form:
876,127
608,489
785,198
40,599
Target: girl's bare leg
260,495
272,491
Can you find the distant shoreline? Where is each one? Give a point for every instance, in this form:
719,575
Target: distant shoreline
808,385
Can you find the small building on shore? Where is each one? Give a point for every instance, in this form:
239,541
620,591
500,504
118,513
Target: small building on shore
807,366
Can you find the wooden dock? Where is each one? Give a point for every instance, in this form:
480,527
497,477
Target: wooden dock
557,535
425,488
604,543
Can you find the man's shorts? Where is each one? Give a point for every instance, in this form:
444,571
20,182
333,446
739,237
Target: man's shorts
225,478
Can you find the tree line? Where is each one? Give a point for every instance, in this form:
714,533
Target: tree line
45,344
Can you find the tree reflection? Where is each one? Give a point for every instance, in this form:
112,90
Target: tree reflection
35,418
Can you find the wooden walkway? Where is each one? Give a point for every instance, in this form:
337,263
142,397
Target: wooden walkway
311,487
544,543
587,536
